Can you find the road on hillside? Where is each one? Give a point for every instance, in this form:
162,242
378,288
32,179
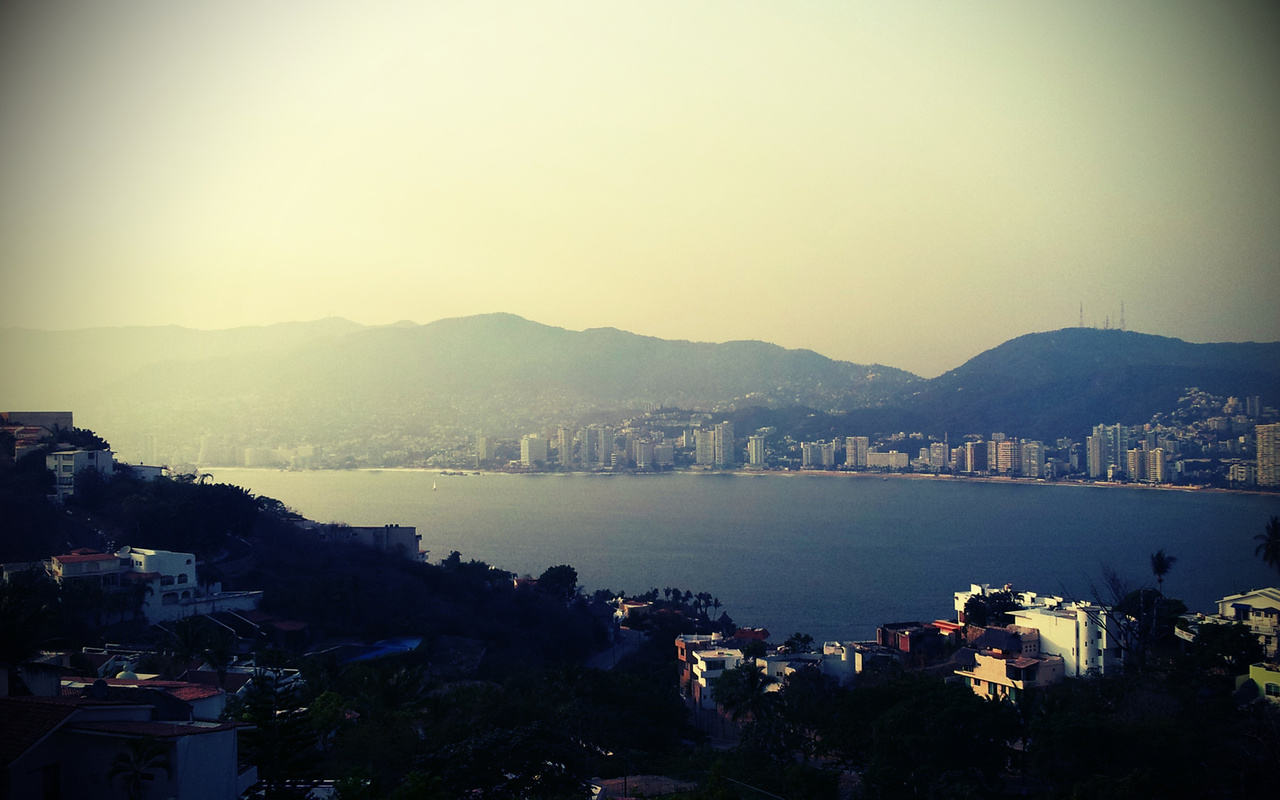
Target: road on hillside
628,642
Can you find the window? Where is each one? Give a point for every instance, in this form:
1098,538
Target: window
169,599
1273,690
167,580
182,577
717,663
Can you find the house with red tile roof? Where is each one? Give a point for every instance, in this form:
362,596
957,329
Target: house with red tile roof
64,747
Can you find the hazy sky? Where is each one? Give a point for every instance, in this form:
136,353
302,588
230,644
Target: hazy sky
903,183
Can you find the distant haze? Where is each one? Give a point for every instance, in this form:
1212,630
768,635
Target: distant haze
901,184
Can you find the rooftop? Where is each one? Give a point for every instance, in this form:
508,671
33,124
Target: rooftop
25,721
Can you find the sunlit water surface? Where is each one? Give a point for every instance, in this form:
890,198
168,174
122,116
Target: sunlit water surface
832,556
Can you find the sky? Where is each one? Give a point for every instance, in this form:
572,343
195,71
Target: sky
907,184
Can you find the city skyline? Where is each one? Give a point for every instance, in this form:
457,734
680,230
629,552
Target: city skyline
902,186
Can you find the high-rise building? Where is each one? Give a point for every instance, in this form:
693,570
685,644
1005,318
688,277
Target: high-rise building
1033,460
1095,455
664,455
643,453
817,455
755,451
1155,465
1269,454
533,450
939,455
704,451
855,451
1008,457
1136,464
725,457
608,443
975,456
564,446
589,451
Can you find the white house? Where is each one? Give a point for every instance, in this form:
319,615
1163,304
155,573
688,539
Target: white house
172,589
1260,610
707,665
1076,631
66,464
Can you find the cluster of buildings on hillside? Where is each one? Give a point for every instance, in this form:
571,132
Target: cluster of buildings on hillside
1048,640
156,585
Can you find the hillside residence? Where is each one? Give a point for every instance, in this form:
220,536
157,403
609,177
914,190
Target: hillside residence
85,566
172,591
1080,633
1266,677
706,666
918,642
169,588
67,464
64,747
999,675
1260,610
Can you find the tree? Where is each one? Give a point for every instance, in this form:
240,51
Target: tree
185,641
990,609
136,765
26,620
283,741
1160,566
753,650
1269,544
220,653
559,581
744,692
799,643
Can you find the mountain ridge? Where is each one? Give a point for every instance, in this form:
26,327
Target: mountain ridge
331,378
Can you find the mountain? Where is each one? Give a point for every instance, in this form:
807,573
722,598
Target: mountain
413,390
333,380
49,368
1061,383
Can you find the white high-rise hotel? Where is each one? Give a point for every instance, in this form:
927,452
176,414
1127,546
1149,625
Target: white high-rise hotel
724,455
1269,455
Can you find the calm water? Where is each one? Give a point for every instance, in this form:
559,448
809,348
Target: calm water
831,556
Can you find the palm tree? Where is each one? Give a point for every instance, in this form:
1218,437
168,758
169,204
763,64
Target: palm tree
1160,566
137,764
743,692
220,653
1269,544
185,642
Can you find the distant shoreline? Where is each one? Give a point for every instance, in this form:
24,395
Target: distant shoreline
917,476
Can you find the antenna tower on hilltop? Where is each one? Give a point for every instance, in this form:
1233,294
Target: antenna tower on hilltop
1121,315
1081,314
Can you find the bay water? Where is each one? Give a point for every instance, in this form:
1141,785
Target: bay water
829,555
